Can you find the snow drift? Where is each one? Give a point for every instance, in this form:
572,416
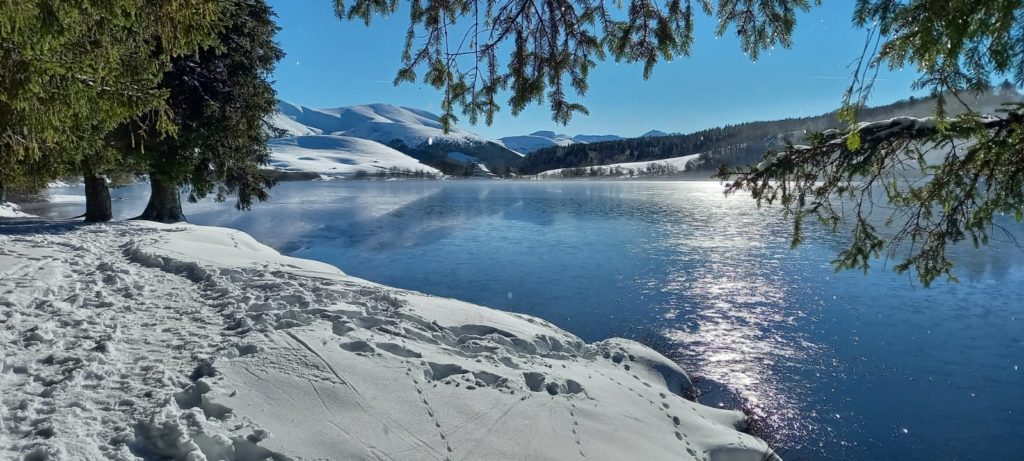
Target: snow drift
139,340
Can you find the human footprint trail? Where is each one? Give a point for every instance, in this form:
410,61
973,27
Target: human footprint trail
139,340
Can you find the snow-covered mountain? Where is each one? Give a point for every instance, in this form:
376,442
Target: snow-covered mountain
542,139
536,140
657,134
286,126
379,122
332,155
414,132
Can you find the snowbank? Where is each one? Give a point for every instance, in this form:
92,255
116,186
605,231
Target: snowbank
11,210
130,340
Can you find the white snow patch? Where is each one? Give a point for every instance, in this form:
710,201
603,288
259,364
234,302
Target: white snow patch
339,156
12,210
536,140
130,340
290,126
631,168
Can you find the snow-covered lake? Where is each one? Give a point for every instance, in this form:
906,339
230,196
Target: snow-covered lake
837,366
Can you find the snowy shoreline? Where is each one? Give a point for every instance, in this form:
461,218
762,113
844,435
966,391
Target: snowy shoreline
134,339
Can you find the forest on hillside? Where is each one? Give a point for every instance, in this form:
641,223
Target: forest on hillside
745,143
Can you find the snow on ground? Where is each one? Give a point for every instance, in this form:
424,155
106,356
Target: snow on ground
135,339
11,210
339,156
638,168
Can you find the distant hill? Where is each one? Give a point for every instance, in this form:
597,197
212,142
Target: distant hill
537,140
657,134
741,144
341,156
526,144
596,137
413,132
667,168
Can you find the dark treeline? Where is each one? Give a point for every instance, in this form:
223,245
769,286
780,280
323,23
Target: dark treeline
740,144
436,154
396,172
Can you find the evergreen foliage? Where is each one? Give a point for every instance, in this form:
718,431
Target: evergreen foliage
957,45
735,145
217,100
74,70
553,44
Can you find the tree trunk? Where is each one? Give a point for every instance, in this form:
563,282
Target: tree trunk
97,199
164,201
3,193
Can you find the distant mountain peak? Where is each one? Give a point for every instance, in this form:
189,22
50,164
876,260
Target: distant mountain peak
654,134
545,134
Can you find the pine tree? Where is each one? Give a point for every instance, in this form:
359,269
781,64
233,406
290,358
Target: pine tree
218,98
555,43
72,71
956,46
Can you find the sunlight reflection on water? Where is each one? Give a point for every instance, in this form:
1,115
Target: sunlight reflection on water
733,324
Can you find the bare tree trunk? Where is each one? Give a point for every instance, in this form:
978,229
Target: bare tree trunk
97,199
164,201
3,193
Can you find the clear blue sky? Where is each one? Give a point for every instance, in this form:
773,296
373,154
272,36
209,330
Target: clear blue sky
333,63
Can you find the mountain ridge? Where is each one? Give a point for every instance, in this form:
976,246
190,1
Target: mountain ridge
414,132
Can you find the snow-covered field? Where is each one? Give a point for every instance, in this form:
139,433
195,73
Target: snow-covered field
339,156
134,339
629,169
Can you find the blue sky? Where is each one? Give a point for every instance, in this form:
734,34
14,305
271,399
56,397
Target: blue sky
334,63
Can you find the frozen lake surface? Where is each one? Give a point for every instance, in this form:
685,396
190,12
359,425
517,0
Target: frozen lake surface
835,366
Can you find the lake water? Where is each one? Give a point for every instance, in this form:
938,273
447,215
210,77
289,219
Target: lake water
834,366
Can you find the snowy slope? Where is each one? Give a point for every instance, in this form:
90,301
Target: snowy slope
129,340
541,139
288,126
378,122
11,210
339,156
679,164
410,130
536,140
